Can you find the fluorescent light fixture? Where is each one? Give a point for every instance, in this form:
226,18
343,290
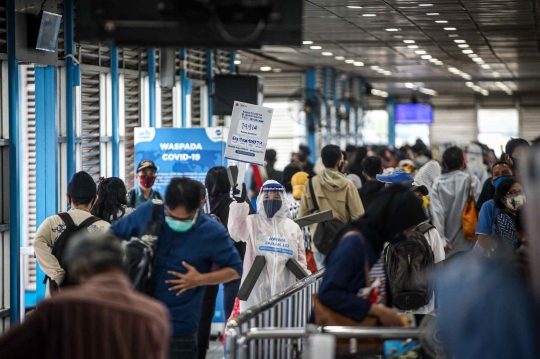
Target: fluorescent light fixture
469,84
485,92
387,73
432,14
454,70
420,52
467,51
425,4
477,88
354,7
439,63
349,61
307,42
441,22
358,63
428,91
466,76
472,56
340,58
459,41
453,35
463,46
409,41
374,67
392,29
266,68
381,71
369,15
450,28
412,46
327,53
495,74
237,62
426,57
315,47
486,66
277,70
478,59
409,85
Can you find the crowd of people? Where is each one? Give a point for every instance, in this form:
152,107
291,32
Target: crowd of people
401,224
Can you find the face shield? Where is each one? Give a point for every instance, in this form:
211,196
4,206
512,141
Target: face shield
272,200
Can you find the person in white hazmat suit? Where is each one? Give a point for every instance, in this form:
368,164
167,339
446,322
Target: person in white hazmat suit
271,234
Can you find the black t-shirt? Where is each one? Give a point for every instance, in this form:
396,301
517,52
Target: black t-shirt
369,190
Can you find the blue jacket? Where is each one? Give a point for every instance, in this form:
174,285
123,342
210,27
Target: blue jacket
206,243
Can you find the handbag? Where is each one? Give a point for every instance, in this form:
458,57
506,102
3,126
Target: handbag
469,217
325,316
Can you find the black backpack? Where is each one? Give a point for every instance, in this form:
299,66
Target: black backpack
60,245
141,253
408,265
326,231
132,197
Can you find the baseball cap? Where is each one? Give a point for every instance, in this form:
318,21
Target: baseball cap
82,185
146,164
413,187
397,176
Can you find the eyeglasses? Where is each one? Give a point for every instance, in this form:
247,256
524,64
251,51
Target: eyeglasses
516,192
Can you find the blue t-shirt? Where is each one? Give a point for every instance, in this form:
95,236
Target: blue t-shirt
206,243
486,219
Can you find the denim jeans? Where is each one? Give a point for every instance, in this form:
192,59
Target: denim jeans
184,347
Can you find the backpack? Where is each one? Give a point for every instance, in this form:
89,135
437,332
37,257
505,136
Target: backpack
60,245
408,265
141,254
132,197
326,231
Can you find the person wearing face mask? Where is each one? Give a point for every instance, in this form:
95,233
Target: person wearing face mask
509,198
81,196
146,176
190,243
271,234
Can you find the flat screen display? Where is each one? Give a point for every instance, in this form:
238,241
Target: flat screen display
414,113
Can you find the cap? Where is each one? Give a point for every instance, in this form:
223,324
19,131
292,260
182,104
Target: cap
397,176
82,185
413,187
146,164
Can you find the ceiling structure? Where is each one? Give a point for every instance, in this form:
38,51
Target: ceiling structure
487,47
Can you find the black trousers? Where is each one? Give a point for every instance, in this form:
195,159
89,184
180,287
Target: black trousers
205,322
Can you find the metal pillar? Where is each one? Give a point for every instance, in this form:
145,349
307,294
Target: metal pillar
391,109
346,95
326,101
311,116
15,169
46,154
185,84
70,95
363,91
115,113
210,85
335,84
152,85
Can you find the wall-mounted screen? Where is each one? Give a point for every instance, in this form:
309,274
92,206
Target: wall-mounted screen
414,113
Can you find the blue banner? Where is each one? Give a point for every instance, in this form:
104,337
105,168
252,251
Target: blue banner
180,152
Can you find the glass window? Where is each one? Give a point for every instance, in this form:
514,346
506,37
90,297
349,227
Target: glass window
408,134
375,128
496,126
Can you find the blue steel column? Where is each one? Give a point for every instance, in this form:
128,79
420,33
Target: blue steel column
183,82
46,154
345,87
70,96
326,101
15,169
336,105
363,106
115,114
311,95
391,109
233,59
210,85
152,85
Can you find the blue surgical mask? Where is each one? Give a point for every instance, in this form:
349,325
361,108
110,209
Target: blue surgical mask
498,181
180,226
271,207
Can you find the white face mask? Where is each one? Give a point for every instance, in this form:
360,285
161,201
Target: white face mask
515,203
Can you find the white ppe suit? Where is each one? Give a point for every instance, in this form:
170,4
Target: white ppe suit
278,239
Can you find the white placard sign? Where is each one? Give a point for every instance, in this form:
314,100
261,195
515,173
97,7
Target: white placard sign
248,134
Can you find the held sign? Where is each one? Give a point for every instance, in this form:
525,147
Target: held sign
248,135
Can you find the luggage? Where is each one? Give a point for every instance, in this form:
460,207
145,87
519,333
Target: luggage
408,265
469,217
60,245
141,253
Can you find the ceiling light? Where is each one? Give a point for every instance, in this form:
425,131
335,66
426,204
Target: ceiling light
439,63
349,61
392,29
453,35
469,84
441,22
357,63
486,67
340,58
466,76
467,51
277,70
460,41
412,46
495,74
433,60
420,52
485,92
266,68
426,57
374,67
432,13
387,73
237,62
315,47
463,46
369,15
409,41
428,91
472,56
381,71
450,28
383,93
409,85
478,59
477,88
327,53
425,4
454,70
307,42
354,7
